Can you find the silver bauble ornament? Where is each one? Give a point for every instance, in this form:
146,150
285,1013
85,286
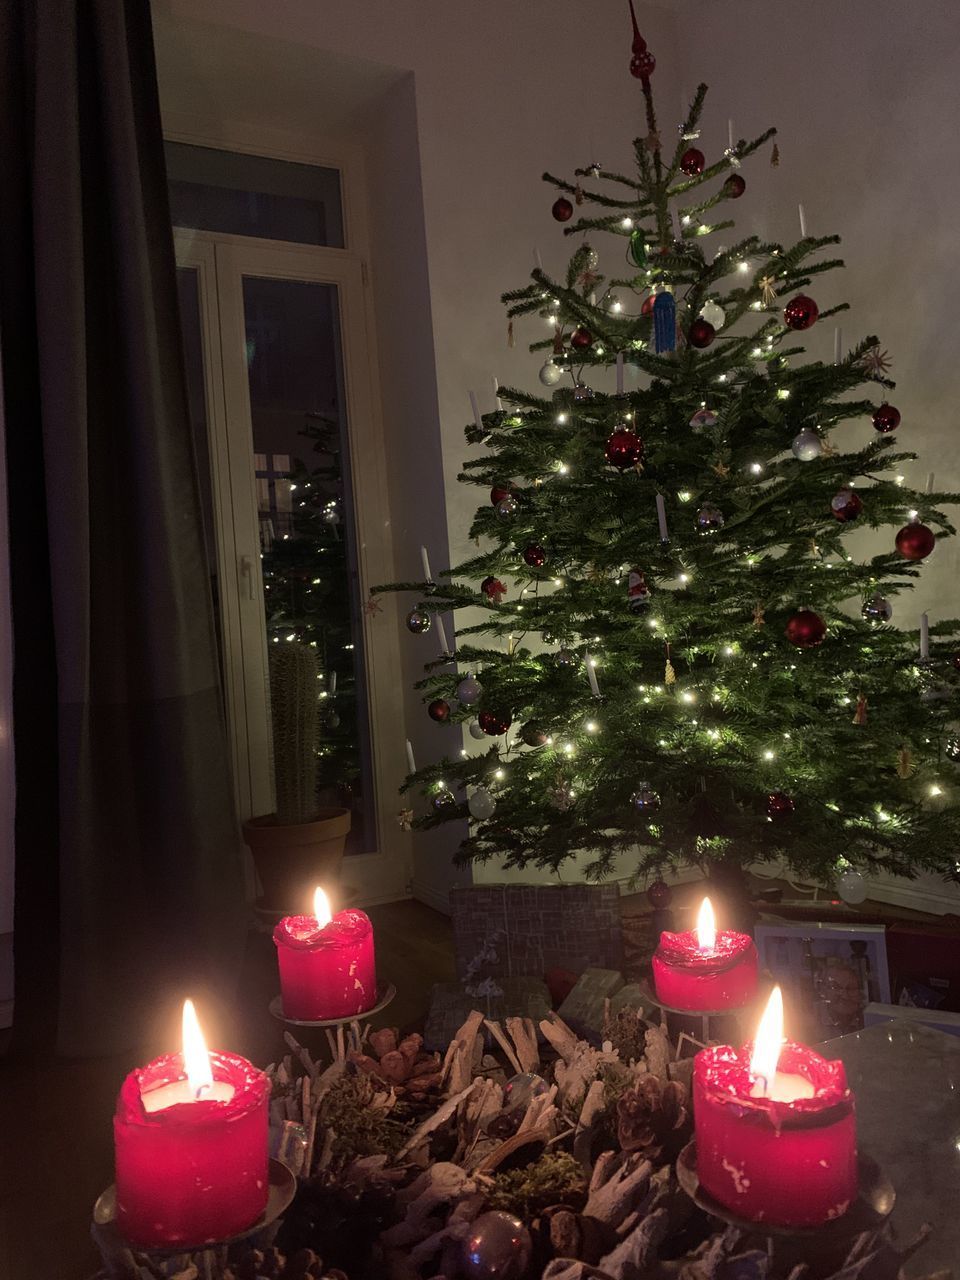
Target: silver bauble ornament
444,800
951,749
550,374
714,314
331,719
331,515
506,508
876,610
519,1091
481,804
498,1247
806,445
645,799
566,659
582,393
469,690
476,731
709,519
562,797
851,886
591,259
418,621
703,420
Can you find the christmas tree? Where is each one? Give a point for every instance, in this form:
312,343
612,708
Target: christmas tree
679,654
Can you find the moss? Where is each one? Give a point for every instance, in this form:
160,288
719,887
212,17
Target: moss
556,1178
361,1129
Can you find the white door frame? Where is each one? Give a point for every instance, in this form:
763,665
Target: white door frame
223,261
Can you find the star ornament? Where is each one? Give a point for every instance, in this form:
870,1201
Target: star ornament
721,469
768,291
372,607
875,362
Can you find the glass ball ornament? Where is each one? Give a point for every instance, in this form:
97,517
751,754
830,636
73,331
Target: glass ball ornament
419,622
876,610
331,719
507,508
497,1247
637,247
562,797
582,393
475,730
951,749
494,723
806,629
779,805
444,800
535,555
915,541
591,259
846,505
481,804
692,162
469,690
703,420
734,185
806,445
566,659
581,339
330,514
550,373
533,734
499,492
701,333
562,209
713,313
709,519
851,886
800,312
659,894
439,710
645,800
886,418
624,448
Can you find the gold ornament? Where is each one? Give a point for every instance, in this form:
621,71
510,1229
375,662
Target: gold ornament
860,715
578,194
768,290
372,607
905,765
405,819
721,469
758,614
669,675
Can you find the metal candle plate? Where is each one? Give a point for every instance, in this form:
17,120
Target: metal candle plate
386,992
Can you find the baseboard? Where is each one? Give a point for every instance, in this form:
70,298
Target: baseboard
937,902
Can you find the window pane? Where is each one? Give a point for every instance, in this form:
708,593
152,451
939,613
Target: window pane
310,577
212,190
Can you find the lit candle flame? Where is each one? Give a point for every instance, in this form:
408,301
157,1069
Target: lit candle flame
321,907
768,1042
706,929
196,1060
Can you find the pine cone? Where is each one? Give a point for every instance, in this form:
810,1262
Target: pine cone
651,1115
400,1064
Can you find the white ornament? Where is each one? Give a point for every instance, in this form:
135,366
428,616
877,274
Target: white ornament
592,259
481,804
469,691
851,886
476,731
806,445
714,314
550,374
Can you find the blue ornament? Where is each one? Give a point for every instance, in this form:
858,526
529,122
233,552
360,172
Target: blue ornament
664,323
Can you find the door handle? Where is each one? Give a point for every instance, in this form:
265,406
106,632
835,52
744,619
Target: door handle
245,567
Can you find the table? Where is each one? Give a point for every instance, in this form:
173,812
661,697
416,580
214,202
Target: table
907,1082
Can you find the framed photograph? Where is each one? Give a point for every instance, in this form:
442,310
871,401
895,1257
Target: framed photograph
829,973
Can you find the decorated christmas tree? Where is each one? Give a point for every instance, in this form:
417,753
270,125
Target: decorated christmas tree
682,652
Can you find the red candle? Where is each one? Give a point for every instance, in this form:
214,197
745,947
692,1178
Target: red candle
775,1128
327,967
704,969
190,1139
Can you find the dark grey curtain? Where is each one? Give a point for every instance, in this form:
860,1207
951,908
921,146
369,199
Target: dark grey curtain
129,882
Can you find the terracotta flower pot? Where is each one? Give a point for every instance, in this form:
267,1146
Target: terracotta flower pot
292,860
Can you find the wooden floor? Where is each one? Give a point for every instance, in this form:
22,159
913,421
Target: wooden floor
56,1144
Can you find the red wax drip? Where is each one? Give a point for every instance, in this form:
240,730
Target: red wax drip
329,971
723,976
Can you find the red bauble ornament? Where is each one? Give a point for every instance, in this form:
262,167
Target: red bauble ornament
692,162
806,629
439,710
659,894
562,209
734,186
493,589
915,541
535,555
499,492
646,307
846,505
800,312
494,722
702,333
886,418
581,338
779,805
643,65
623,449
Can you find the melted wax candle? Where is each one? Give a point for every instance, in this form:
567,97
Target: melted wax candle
775,1129
705,969
190,1139
327,967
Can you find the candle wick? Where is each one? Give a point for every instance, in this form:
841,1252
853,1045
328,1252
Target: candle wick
764,1086
198,1092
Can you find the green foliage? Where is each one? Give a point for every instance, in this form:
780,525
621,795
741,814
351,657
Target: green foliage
361,1128
294,706
748,714
556,1178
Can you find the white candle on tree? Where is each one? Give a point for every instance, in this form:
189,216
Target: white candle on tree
592,676
924,637
803,222
619,373
411,762
837,339
425,561
496,394
662,519
478,419
442,637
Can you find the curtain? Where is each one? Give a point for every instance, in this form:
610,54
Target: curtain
128,890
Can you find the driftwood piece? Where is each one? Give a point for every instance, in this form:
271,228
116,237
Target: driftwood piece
570,1269
442,1114
506,1148
658,1052
635,1253
440,1184
594,1105
560,1036
524,1036
456,1229
496,1031
616,1187
457,1072
574,1077
541,1112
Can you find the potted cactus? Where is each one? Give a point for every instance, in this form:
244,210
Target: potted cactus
301,845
